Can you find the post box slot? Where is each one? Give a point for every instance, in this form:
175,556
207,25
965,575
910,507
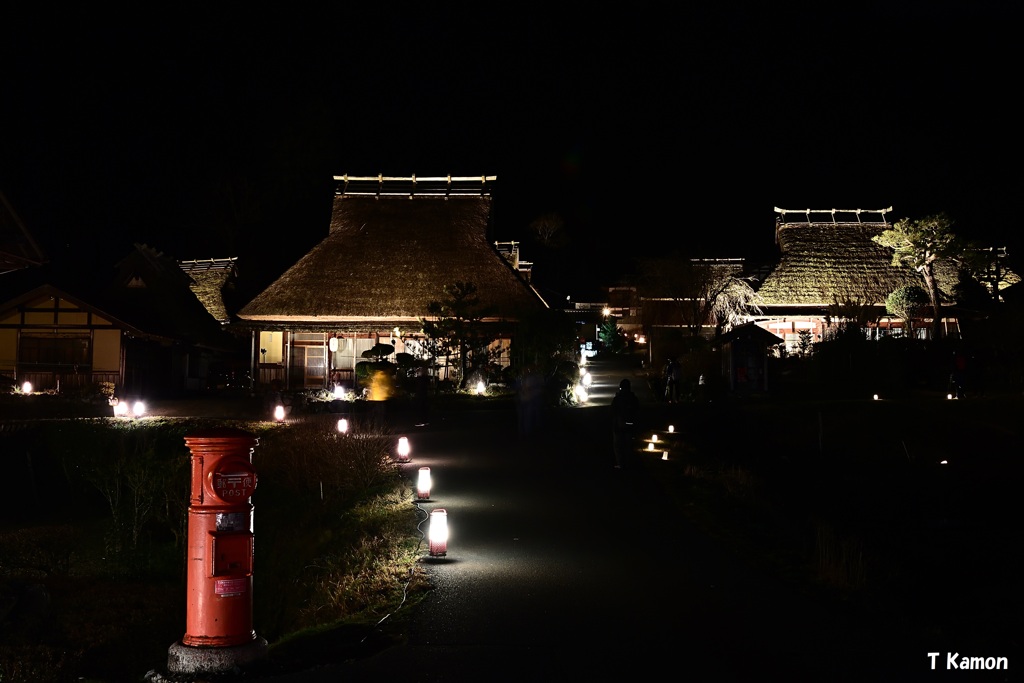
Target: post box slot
232,554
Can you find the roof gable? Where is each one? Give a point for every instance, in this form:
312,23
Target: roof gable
388,255
17,248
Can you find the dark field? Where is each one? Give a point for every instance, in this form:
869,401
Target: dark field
904,512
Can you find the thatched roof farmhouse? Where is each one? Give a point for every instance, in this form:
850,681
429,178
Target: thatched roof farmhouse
830,270
393,246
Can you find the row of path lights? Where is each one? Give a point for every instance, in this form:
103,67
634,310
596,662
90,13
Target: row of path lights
122,409
661,444
437,531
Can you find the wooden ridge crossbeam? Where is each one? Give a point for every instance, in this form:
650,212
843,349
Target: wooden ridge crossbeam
832,213
397,186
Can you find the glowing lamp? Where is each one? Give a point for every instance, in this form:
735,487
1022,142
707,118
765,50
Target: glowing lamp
943,462
332,344
587,379
664,455
138,409
581,393
120,408
949,397
279,413
654,438
423,483
875,397
480,388
343,426
671,428
403,449
339,391
438,533
650,446
26,388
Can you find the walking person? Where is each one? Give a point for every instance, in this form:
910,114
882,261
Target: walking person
625,408
672,376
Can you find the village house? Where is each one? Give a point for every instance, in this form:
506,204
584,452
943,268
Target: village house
830,272
394,244
138,330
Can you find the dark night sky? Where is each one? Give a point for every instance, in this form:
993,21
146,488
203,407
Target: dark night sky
216,133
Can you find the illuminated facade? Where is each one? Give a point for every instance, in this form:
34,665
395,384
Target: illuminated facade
394,245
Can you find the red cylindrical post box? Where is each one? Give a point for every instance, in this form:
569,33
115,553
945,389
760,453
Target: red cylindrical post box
220,539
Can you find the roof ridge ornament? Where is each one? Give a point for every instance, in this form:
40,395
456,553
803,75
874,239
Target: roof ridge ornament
381,185
832,212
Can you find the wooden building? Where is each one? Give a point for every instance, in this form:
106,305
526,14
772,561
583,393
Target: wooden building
830,271
393,245
138,327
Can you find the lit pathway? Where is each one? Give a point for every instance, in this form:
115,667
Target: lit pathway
559,568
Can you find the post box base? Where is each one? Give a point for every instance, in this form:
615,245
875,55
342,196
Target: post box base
189,659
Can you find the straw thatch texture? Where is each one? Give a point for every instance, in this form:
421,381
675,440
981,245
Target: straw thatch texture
826,263
387,258
209,278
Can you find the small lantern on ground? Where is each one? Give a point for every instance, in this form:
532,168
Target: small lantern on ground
438,533
279,413
403,449
343,426
423,483
138,409
26,388
671,429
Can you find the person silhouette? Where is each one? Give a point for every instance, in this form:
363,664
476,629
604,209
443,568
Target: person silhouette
625,409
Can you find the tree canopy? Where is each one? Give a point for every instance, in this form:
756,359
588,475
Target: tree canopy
701,292
906,302
457,328
920,244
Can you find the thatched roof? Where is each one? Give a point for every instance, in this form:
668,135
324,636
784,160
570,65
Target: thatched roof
152,291
387,256
147,295
829,261
209,278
